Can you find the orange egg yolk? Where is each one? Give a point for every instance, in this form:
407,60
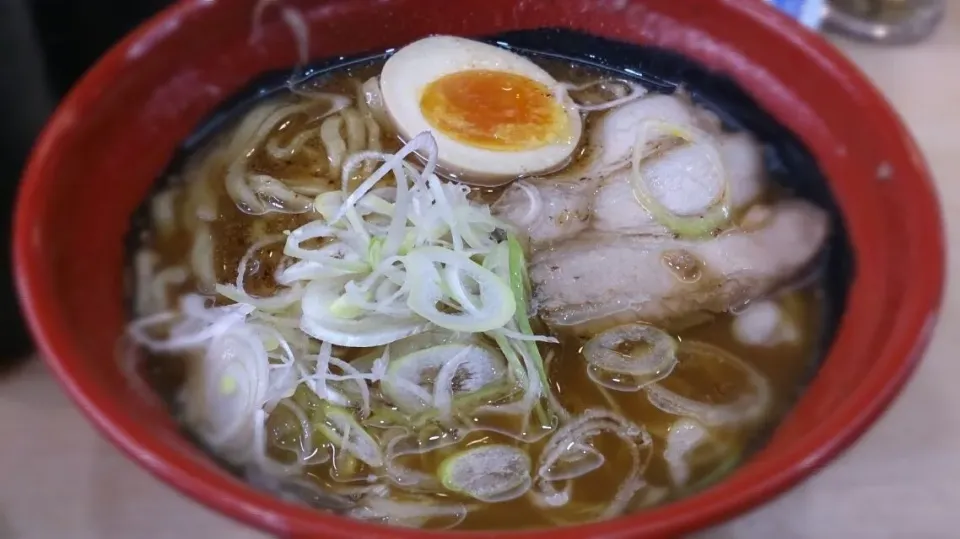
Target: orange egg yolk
494,110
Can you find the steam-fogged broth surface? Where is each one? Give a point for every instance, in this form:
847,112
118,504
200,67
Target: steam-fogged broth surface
737,330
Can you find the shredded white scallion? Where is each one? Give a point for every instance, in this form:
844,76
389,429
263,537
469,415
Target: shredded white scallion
402,254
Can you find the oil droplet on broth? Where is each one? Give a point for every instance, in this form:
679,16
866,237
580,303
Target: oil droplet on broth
683,264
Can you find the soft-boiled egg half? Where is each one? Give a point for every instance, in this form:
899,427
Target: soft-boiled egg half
495,114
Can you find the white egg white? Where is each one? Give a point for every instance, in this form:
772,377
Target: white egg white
405,76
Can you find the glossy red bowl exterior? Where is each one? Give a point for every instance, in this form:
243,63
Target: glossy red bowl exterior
115,132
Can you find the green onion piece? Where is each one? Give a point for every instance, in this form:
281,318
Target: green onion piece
520,283
490,473
689,226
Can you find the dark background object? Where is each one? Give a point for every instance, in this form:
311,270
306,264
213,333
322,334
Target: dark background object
74,33
45,46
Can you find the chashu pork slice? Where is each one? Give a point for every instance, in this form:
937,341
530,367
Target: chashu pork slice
684,180
615,207
596,281
556,208
547,210
616,133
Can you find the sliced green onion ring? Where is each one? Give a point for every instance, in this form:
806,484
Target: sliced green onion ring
746,408
567,452
340,427
616,360
489,473
425,378
715,217
427,289
321,323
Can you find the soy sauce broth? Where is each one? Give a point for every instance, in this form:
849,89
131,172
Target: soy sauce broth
198,175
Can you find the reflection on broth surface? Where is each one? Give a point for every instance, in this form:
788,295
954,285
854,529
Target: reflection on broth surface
335,317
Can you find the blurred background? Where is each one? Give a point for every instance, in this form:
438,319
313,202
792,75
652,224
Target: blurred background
45,45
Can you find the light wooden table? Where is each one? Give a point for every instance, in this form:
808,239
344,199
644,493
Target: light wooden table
58,479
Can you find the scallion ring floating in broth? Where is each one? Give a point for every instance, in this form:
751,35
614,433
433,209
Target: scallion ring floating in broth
490,473
746,407
627,358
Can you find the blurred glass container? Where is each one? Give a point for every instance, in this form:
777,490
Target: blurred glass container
810,13
893,22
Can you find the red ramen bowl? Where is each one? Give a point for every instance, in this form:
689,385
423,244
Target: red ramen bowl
116,131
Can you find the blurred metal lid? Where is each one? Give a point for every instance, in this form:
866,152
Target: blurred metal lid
893,22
